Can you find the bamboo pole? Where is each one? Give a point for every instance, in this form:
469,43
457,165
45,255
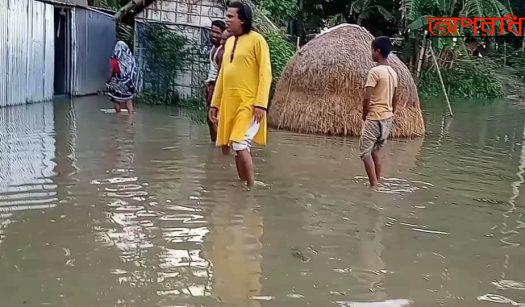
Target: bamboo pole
505,53
440,78
422,51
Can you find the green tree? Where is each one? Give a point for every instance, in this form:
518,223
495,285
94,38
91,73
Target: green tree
362,10
165,55
416,11
109,4
279,11
280,52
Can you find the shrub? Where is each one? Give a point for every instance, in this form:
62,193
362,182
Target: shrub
472,78
165,55
281,51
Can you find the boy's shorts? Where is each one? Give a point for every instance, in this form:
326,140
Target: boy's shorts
247,142
374,135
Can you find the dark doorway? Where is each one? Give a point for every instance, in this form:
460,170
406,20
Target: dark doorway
62,51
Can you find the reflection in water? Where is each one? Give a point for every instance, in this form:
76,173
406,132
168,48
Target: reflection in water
27,151
233,247
387,303
510,236
159,238
142,211
125,197
515,186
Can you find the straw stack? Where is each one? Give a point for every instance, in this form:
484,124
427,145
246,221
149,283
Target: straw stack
321,90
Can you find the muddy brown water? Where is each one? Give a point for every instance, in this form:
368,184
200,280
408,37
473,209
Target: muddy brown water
99,209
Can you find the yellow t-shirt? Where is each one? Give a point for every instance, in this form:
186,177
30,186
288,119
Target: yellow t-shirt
384,81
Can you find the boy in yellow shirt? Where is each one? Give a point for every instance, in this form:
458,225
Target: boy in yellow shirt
379,106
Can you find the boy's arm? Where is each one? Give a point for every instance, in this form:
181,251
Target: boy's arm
366,101
395,99
371,82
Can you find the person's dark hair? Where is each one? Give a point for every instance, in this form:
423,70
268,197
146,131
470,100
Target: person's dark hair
245,14
219,24
384,45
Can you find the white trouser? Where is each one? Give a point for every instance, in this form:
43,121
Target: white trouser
247,142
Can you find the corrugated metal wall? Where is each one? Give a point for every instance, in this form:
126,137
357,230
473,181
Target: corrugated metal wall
27,51
26,60
95,37
49,68
3,53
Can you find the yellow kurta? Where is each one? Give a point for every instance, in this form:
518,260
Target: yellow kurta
244,83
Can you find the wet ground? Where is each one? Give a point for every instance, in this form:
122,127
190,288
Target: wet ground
99,209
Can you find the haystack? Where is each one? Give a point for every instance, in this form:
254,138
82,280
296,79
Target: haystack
321,90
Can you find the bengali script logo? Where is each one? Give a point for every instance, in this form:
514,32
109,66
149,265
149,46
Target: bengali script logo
481,26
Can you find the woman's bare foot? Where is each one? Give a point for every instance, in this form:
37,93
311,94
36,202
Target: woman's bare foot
129,105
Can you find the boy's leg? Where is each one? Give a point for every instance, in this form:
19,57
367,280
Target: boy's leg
369,136
370,168
211,126
385,126
376,157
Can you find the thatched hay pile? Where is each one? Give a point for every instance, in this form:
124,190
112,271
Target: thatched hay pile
321,90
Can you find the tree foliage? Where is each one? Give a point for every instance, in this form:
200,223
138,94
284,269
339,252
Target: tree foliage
108,4
362,9
279,10
418,10
389,16
467,79
281,51
165,55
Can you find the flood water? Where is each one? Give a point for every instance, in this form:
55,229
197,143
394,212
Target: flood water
99,209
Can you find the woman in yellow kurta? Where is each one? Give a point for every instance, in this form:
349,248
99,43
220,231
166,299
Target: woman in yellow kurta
242,89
